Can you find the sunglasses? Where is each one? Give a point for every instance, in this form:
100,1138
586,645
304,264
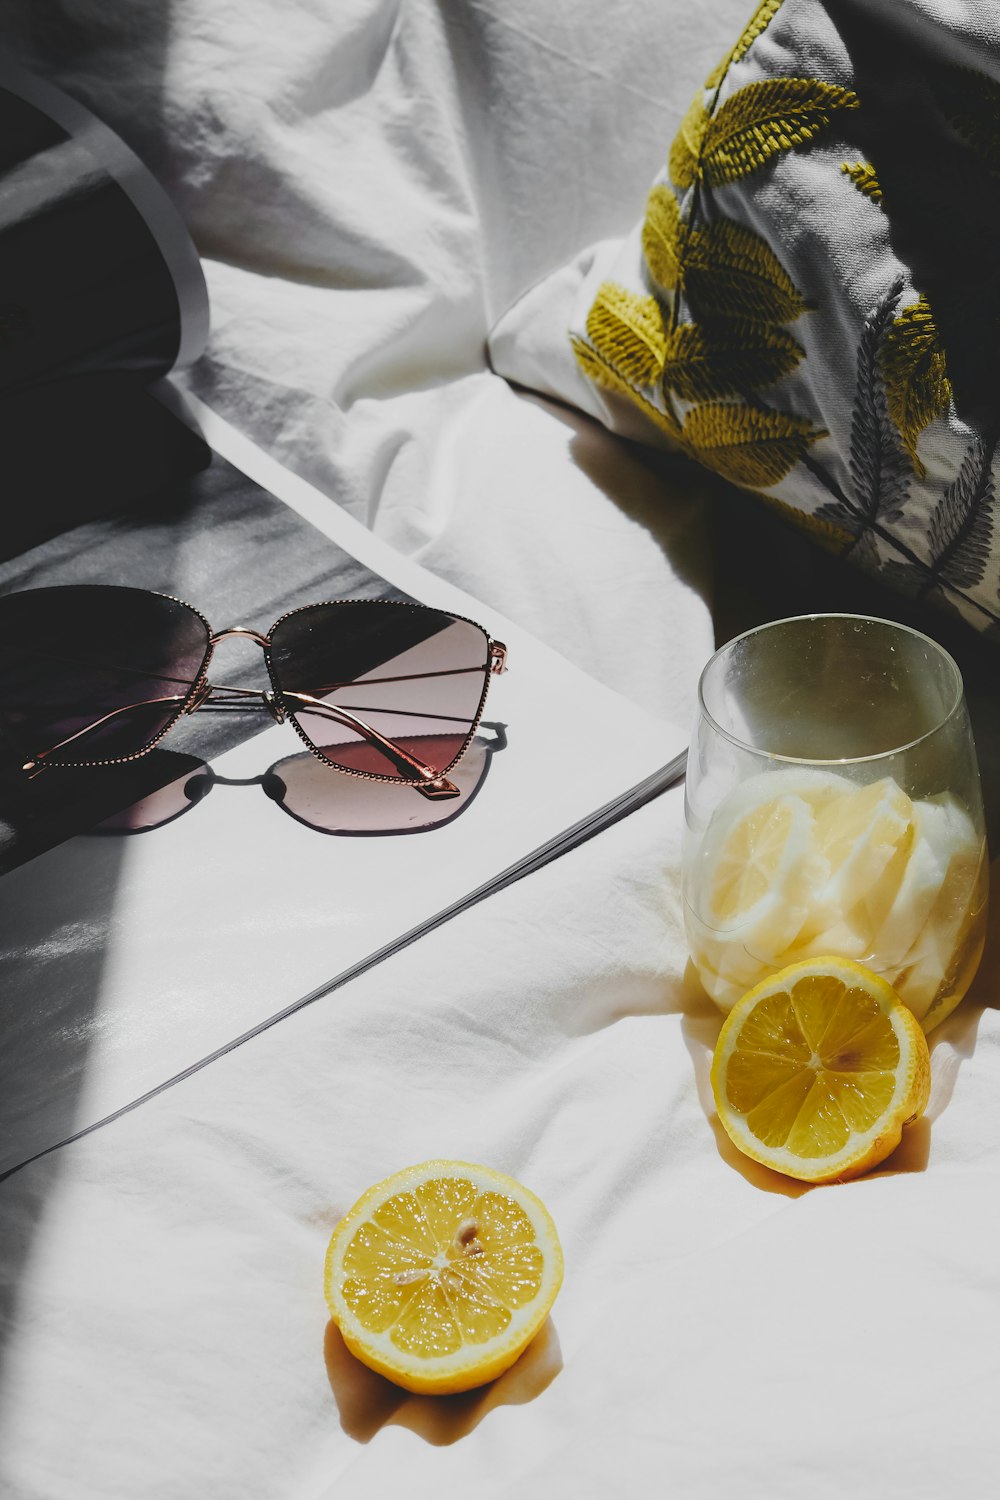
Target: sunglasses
95,675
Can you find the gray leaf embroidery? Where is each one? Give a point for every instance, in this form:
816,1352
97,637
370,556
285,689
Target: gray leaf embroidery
879,469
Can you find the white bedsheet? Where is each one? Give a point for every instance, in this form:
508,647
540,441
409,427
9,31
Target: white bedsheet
370,184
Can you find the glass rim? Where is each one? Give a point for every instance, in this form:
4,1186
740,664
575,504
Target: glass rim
840,760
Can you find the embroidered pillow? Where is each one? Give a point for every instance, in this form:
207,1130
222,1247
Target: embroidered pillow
811,305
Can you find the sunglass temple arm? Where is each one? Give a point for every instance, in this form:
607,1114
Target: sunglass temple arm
427,781
38,762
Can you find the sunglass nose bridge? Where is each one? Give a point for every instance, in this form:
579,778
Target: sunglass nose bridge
242,630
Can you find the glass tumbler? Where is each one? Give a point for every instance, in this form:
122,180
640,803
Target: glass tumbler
833,806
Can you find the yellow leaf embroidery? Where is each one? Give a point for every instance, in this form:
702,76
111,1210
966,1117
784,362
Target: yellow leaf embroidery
971,103
766,118
727,358
826,534
729,271
917,387
862,174
626,329
759,21
601,373
661,233
686,149
749,447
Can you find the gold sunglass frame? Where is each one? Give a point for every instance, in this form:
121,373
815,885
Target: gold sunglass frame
424,779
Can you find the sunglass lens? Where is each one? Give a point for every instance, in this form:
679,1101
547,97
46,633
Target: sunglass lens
92,673
382,688
304,788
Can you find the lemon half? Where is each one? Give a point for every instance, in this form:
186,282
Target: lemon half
818,1068
440,1276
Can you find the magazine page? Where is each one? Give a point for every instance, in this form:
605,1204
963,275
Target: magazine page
101,293
98,269
258,879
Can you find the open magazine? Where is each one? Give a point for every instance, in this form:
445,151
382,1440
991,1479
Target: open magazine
157,913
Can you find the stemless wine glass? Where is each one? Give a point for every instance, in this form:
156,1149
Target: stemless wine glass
833,806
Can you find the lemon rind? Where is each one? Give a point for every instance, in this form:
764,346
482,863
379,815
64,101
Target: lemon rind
468,1367
864,1149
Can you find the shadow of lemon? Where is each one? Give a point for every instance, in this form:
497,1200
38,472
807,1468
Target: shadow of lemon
367,1402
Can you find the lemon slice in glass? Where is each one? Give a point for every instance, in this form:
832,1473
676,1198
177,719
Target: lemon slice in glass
942,831
866,836
756,875
860,832
757,864
818,1068
441,1275
939,968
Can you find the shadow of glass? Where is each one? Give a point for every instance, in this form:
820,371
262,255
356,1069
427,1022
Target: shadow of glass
700,1026
367,1402
954,1041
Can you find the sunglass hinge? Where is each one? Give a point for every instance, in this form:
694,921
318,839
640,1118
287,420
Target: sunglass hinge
198,698
275,707
438,789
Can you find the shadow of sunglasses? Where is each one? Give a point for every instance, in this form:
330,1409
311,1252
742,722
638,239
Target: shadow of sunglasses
303,788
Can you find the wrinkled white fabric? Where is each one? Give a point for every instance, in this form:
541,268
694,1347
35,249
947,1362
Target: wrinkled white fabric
719,1329
370,184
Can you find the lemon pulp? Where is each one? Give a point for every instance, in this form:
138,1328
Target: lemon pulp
440,1276
818,1068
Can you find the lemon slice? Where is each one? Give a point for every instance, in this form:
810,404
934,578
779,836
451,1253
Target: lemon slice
440,1276
818,1068
758,867
726,969
943,834
759,854
859,833
938,970
866,836
754,880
